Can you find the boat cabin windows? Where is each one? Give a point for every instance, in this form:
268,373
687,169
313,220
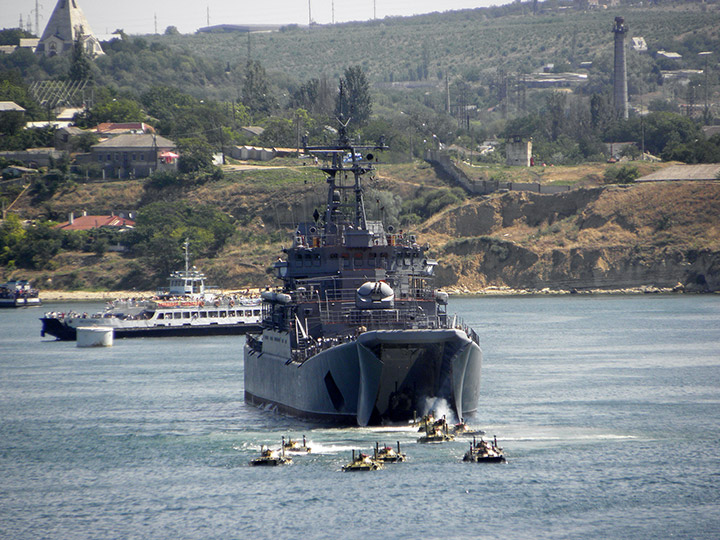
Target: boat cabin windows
186,314
346,260
248,312
177,315
203,314
161,315
223,314
213,314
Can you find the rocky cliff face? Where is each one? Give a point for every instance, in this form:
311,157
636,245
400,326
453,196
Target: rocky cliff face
601,238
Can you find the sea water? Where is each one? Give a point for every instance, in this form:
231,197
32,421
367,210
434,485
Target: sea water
608,409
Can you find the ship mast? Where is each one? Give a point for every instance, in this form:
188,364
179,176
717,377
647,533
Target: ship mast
186,245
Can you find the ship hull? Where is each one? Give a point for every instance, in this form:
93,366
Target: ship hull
383,376
64,332
20,302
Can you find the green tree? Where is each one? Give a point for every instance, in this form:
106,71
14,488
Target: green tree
162,227
256,92
354,102
40,244
12,36
112,110
315,96
12,235
196,155
80,66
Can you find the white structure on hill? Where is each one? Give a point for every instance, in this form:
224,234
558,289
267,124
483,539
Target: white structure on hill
67,24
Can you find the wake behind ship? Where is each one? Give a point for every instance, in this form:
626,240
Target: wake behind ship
357,334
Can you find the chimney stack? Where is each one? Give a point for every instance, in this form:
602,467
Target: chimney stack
620,88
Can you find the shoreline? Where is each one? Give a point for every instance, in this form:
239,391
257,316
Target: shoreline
54,296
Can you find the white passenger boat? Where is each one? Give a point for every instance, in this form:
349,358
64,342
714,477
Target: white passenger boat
186,308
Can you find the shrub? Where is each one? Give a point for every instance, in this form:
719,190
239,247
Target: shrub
624,174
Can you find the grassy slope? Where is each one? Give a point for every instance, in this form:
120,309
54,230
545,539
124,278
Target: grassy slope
537,235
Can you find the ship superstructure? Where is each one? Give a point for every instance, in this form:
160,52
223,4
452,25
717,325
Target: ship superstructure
357,333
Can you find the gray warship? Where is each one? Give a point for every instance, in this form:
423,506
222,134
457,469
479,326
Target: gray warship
357,334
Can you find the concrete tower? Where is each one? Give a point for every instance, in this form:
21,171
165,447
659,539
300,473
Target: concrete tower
620,88
66,24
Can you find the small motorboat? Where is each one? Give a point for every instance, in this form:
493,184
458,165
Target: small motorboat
461,428
484,452
437,432
294,446
271,458
388,455
363,462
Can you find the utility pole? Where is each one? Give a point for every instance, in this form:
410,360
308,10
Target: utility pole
37,19
156,23
447,93
309,13
333,11
706,111
374,9
208,15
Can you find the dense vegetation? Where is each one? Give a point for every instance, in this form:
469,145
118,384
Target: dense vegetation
201,90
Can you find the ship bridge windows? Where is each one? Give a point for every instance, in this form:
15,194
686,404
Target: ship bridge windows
346,260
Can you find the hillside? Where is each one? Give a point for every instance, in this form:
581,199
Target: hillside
592,237
469,43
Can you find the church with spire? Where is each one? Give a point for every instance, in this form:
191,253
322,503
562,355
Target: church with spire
66,25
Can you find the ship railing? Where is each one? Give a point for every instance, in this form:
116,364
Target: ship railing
309,347
408,316
458,324
348,295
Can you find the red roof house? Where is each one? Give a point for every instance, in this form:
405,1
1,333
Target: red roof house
85,222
